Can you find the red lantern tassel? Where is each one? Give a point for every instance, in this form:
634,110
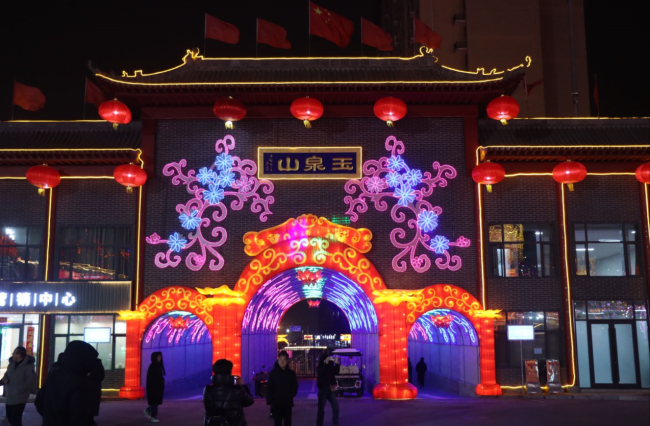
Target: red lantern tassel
489,187
390,123
504,121
307,124
570,185
229,125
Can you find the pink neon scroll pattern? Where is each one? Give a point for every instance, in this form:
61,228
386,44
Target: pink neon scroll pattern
390,177
227,176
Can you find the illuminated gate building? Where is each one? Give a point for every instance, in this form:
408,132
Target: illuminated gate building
235,226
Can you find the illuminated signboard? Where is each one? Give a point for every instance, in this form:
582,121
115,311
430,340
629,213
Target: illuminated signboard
66,296
97,334
521,332
308,337
309,163
346,337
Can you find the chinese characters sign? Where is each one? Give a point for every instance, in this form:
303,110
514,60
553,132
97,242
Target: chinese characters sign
60,297
309,163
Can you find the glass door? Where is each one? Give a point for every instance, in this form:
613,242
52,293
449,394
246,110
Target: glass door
11,339
612,345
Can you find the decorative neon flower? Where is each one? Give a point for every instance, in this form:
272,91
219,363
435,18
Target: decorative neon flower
153,238
214,195
394,179
439,244
412,177
405,195
176,242
191,221
223,161
396,163
427,220
243,185
205,176
226,178
375,184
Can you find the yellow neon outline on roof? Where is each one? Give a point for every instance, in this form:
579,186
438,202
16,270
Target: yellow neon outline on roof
423,50
562,146
54,121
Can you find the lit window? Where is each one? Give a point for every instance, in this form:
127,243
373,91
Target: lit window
520,250
21,253
605,250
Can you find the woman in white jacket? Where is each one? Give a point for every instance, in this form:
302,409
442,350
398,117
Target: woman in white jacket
19,382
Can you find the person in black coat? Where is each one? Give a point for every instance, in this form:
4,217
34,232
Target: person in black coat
325,379
62,399
226,397
281,388
155,386
421,368
94,389
55,366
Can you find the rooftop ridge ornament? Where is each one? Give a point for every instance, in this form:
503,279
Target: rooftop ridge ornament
392,177
307,225
227,176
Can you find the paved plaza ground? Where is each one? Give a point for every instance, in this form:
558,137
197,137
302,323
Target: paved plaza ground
429,409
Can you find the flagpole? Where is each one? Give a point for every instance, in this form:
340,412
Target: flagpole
526,90
257,33
83,116
362,37
597,94
13,94
309,27
205,31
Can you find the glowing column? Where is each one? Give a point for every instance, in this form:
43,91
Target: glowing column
226,334
132,388
488,385
393,364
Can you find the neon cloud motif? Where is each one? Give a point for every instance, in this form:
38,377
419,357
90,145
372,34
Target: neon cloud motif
391,178
227,176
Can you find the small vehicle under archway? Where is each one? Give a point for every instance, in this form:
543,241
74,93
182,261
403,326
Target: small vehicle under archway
349,379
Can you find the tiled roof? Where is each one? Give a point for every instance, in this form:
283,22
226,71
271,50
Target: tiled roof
68,135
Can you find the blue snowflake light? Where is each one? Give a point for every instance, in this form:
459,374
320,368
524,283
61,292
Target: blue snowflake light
205,176
394,179
427,220
190,221
176,242
226,178
412,177
223,161
395,162
405,195
214,194
439,244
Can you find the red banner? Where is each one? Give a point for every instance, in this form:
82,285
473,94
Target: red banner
29,343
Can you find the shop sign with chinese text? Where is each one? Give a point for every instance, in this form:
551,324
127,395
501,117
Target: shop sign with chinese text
309,163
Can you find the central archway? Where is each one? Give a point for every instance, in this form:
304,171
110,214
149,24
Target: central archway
270,302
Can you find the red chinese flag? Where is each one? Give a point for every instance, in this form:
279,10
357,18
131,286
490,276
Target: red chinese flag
272,34
329,25
93,94
374,35
28,98
216,29
425,35
531,86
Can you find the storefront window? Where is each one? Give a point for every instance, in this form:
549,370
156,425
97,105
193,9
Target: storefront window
547,341
106,334
605,250
602,310
520,250
21,252
94,253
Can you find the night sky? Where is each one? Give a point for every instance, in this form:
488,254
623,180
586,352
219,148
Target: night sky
48,45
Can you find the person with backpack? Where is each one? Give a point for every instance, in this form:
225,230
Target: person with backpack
155,386
226,397
281,388
326,371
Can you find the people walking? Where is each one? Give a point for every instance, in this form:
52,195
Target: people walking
225,399
421,369
281,388
94,390
155,388
62,400
19,381
326,371
410,371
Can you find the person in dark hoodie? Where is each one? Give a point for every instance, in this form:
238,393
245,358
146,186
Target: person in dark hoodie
155,386
94,389
19,381
55,366
227,396
62,399
325,379
281,388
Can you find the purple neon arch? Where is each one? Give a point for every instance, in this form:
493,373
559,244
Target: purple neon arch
461,332
160,335
276,296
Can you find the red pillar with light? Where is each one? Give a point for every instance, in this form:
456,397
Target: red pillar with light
226,335
132,388
488,385
393,345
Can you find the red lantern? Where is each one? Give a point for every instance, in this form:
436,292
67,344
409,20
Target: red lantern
503,108
569,172
643,173
390,109
313,303
229,110
130,176
488,174
43,177
115,112
442,321
307,109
